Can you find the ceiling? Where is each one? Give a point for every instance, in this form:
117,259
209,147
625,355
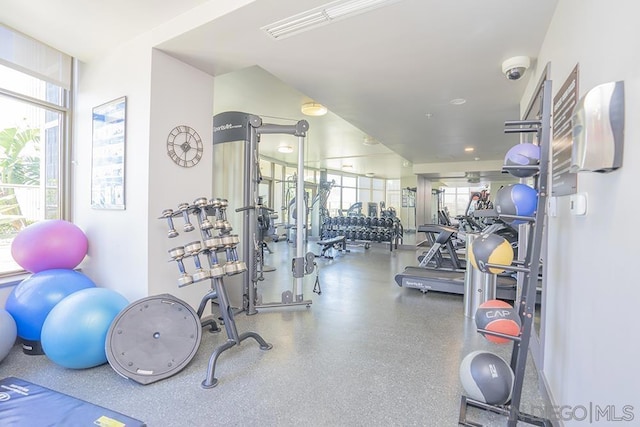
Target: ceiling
388,74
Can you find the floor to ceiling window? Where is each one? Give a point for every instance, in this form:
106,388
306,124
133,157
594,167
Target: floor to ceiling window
35,83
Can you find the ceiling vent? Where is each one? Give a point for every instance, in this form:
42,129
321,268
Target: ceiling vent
322,15
472,177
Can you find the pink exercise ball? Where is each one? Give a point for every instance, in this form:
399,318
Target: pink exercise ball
49,244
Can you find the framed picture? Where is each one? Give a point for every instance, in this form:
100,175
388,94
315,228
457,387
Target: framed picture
108,153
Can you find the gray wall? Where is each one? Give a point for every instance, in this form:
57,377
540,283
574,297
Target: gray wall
591,348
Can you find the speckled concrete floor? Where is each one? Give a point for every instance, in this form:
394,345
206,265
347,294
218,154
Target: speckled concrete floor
366,353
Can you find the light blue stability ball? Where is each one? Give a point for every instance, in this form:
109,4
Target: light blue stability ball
75,331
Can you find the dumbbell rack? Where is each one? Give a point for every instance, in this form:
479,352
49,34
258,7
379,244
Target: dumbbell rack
525,306
216,239
364,230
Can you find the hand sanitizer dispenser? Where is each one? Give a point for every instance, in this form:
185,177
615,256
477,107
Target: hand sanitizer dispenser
598,129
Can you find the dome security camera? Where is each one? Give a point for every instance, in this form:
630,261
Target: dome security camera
514,68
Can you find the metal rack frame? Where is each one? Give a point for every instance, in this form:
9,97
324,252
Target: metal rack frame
530,267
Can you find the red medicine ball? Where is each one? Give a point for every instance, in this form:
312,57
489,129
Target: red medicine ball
498,316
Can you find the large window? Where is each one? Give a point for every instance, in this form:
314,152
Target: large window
33,144
456,200
345,192
394,196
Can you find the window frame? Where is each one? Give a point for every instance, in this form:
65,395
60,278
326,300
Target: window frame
63,108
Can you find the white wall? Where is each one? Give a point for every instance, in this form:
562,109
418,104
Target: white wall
591,347
128,249
180,95
118,255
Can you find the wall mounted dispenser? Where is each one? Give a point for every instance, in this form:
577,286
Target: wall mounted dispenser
598,129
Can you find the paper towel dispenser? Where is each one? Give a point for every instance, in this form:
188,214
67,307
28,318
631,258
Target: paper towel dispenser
598,129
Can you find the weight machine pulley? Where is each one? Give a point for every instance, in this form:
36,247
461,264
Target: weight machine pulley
237,126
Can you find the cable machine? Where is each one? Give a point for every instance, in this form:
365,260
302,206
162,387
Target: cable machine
237,126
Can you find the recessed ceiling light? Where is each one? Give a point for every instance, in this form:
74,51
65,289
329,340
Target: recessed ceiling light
369,174
428,115
458,101
469,149
313,109
347,167
369,141
285,149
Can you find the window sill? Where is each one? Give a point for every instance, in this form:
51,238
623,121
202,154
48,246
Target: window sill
13,280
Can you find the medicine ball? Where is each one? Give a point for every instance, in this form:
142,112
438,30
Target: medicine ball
498,316
525,154
516,199
490,249
486,377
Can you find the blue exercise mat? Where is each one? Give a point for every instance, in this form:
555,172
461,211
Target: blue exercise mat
26,404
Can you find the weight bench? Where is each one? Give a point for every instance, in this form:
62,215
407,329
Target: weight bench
338,243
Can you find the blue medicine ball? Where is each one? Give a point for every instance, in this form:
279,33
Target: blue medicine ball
516,199
486,377
525,154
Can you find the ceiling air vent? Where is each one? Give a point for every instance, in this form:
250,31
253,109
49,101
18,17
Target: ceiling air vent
472,177
322,15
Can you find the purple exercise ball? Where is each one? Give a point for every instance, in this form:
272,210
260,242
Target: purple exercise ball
49,244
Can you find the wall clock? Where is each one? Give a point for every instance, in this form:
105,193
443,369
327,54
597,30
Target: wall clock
184,146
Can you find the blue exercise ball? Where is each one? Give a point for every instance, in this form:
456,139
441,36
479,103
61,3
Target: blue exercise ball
31,301
8,333
75,331
518,200
525,154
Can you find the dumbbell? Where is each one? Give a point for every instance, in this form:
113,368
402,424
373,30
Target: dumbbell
204,222
184,209
216,206
193,250
224,203
177,254
211,245
213,205
168,215
233,265
214,243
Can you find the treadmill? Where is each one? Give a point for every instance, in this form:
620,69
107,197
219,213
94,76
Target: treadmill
432,275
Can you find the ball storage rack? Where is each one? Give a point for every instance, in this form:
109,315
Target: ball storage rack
529,266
